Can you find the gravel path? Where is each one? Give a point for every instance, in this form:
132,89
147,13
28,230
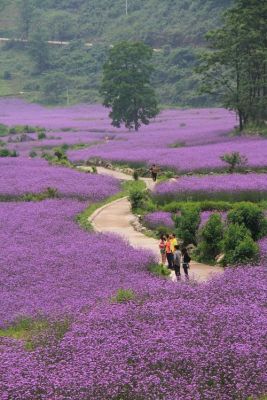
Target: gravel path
116,217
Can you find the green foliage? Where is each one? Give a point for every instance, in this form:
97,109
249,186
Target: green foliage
211,235
41,135
235,160
238,246
60,153
39,51
135,175
3,130
49,193
176,29
123,295
251,216
32,154
137,198
55,87
236,66
159,270
205,205
8,153
187,224
126,86
36,332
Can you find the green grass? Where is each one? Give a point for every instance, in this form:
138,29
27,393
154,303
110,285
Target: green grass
36,332
159,270
123,295
127,187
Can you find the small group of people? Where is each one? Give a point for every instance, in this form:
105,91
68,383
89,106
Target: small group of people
170,252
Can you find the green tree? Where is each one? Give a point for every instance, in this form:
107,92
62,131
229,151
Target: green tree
236,68
55,87
126,85
211,236
26,13
238,246
39,51
187,224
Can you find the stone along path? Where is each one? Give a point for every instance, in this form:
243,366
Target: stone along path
116,217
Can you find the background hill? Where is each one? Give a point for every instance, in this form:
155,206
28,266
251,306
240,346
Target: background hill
174,28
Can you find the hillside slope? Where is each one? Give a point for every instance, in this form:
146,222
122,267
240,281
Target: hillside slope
175,27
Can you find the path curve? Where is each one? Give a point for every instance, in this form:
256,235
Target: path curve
116,217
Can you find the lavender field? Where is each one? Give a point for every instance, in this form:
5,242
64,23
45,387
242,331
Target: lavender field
182,140
234,186
64,335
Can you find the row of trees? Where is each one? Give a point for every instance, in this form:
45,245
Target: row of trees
235,68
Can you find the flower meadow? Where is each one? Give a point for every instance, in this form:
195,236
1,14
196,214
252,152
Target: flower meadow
22,175
233,186
202,342
157,219
170,341
50,265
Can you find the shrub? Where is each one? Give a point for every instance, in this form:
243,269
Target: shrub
13,153
234,160
8,153
137,198
41,135
159,270
123,295
60,154
187,224
32,154
211,236
135,175
238,246
7,76
251,216
3,130
94,169
4,153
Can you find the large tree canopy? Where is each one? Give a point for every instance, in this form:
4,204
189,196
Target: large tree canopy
126,85
236,68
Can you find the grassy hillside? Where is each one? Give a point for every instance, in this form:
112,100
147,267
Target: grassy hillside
175,28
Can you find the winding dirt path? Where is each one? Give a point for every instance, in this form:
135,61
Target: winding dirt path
116,217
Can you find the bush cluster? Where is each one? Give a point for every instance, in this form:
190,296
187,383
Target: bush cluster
8,153
187,224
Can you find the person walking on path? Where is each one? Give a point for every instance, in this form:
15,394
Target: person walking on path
186,261
169,252
177,256
162,248
154,172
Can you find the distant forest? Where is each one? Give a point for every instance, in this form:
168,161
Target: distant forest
72,73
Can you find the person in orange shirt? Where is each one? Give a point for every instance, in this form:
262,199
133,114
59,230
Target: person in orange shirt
169,252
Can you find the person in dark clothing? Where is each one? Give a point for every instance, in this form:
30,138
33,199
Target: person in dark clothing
186,261
154,172
177,261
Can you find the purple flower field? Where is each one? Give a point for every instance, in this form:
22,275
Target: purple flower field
186,342
50,265
183,140
172,341
215,186
263,249
21,175
158,218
